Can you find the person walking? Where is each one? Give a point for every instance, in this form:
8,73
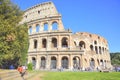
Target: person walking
21,71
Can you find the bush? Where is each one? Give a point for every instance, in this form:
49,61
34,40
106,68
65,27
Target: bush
30,66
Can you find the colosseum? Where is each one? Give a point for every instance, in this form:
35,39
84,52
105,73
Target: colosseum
53,47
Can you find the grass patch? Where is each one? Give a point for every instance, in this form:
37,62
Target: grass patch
81,76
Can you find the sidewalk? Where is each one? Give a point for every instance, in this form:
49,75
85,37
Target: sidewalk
14,75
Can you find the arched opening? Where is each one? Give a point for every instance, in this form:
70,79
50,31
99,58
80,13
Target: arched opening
46,27
30,30
54,26
92,63
105,63
64,42
35,44
64,62
37,28
34,62
82,45
103,49
53,63
95,42
96,49
54,42
91,47
76,62
44,43
100,52
101,63
90,35
39,12
43,63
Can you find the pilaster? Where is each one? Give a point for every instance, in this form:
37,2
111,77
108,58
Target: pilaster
37,62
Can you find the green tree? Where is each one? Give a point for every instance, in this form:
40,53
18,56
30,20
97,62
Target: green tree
115,58
13,36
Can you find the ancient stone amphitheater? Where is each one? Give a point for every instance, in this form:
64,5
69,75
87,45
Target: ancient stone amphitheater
53,47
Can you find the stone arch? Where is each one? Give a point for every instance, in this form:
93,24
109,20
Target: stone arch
37,27
44,43
96,49
76,62
103,49
82,45
54,42
35,44
30,29
64,62
54,25
64,42
100,52
46,26
101,63
53,64
34,62
92,63
43,62
91,47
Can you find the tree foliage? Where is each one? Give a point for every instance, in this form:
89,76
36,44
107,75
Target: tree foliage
115,58
13,36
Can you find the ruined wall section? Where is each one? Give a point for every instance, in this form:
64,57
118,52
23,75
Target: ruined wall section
92,44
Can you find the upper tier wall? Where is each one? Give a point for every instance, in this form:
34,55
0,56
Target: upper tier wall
40,11
93,36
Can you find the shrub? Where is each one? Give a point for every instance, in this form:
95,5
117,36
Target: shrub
30,66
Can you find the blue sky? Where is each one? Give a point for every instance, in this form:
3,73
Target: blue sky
100,17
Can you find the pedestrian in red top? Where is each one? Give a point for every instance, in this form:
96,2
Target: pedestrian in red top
21,71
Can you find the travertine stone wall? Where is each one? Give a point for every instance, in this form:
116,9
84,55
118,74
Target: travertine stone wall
60,48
